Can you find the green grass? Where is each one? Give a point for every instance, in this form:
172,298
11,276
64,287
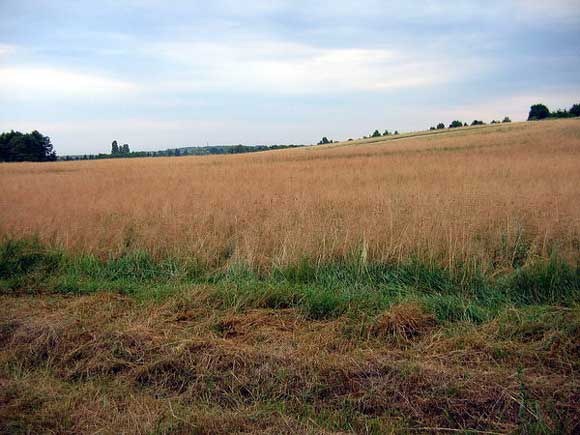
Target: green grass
320,291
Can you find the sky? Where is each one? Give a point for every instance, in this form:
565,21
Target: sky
157,74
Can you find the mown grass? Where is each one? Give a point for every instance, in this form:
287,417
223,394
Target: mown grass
104,362
318,290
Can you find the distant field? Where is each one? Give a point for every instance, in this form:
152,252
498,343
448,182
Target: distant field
424,284
489,197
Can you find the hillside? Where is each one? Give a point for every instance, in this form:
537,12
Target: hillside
423,283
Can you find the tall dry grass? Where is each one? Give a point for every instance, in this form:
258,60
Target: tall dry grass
489,197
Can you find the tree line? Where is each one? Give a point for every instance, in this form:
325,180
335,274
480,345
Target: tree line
540,111
456,123
124,151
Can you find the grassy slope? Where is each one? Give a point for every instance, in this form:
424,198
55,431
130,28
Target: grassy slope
133,344
488,128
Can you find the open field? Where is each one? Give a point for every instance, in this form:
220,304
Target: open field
487,197
425,284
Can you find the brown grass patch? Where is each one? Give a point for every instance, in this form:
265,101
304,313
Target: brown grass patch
407,321
105,363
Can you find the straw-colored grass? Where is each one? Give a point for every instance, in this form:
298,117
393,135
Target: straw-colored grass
492,197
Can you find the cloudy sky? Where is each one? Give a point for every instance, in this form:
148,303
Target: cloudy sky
158,74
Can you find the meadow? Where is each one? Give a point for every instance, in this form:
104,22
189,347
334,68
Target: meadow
485,198
421,282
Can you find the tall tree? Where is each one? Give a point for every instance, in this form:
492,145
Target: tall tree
114,148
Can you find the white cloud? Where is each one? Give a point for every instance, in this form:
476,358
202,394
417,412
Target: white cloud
554,10
290,68
30,82
6,49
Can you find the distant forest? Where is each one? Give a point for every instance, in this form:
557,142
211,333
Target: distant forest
124,151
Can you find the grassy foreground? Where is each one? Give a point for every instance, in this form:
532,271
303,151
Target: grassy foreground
168,346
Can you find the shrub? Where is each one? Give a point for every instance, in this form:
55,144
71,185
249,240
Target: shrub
560,114
538,111
25,147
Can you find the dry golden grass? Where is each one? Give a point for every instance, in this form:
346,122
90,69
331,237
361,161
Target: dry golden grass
489,196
